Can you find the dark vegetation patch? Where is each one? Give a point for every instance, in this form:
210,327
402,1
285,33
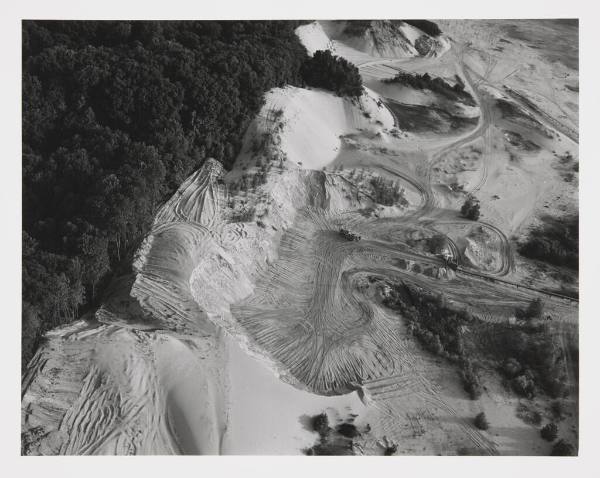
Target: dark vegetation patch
387,192
437,243
549,432
567,166
426,26
563,448
334,73
481,421
428,119
336,440
511,111
116,114
471,208
516,140
555,241
527,355
435,84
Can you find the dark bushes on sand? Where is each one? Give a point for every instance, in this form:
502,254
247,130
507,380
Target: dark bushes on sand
556,241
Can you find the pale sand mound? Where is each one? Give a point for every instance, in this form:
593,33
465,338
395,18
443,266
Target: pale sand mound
314,120
102,389
314,38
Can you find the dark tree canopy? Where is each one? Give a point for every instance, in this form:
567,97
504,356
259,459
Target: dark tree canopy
426,26
563,448
116,115
549,432
333,73
555,241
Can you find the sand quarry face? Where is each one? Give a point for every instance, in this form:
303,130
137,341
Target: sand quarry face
248,309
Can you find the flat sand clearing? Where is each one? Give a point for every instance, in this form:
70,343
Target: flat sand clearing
268,416
195,410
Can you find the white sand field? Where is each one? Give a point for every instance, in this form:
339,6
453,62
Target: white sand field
268,416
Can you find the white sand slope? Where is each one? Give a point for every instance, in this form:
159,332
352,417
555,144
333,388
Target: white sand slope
268,416
314,120
314,38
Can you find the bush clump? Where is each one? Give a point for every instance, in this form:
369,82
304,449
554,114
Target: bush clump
534,310
481,421
471,208
348,430
533,359
556,242
549,432
320,424
324,70
471,381
388,192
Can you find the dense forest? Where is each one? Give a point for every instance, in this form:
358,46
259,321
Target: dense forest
115,116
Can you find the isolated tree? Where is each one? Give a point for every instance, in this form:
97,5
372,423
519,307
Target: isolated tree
470,208
535,309
481,421
549,432
471,382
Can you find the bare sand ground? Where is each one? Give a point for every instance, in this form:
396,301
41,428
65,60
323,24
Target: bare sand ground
268,416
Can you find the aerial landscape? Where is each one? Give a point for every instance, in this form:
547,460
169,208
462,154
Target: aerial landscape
333,237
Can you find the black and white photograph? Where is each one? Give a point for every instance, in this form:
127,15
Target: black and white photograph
300,236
